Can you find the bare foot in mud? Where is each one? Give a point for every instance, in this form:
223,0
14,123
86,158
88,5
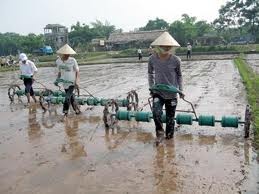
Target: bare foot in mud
64,117
78,112
28,104
89,108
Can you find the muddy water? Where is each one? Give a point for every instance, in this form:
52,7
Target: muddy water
42,153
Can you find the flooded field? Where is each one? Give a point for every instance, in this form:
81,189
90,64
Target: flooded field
42,153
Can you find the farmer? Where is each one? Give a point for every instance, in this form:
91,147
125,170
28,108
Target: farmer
28,70
139,54
165,68
189,51
68,71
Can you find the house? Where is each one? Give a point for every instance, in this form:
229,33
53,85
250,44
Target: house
243,39
98,44
126,40
55,35
209,40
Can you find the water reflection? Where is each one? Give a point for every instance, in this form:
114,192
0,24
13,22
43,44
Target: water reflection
114,138
16,106
207,140
34,127
76,147
49,118
165,171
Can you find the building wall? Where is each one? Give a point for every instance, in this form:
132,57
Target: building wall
56,37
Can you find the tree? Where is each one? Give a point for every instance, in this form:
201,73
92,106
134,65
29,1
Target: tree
250,14
203,28
83,34
187,29
238,14
157,24
10,43
31,42
80,34
102,29
178,31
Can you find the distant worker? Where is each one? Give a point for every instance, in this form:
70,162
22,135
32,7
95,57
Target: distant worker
68,71
28,70
165,68
189,51
139,54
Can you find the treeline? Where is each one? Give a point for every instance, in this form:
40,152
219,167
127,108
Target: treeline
12,43
82,34
236,18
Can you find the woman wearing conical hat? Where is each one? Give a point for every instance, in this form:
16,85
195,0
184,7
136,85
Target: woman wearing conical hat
68,71
164,68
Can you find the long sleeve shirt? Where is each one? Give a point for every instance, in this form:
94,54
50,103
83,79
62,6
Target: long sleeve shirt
165,72
28,68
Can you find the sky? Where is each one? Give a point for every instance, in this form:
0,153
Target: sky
31,16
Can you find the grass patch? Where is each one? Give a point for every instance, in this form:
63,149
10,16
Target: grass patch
251,81
221,48
12,68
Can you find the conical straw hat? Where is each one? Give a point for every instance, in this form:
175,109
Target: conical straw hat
165,39
66,50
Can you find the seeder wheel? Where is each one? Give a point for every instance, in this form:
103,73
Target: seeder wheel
109,113
45,99
12,92
133,101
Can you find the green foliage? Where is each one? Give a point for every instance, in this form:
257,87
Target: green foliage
129,52
47,58
251,81
209,48
188,30
102,29
224,48
242,15
90,56
157,24
132,52
9,68
81,35
236,18
10,43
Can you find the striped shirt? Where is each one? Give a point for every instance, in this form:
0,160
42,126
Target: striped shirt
165,72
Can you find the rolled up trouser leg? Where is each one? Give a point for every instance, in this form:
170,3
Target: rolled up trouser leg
73,102
69,95
28,86
158,104
170,106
